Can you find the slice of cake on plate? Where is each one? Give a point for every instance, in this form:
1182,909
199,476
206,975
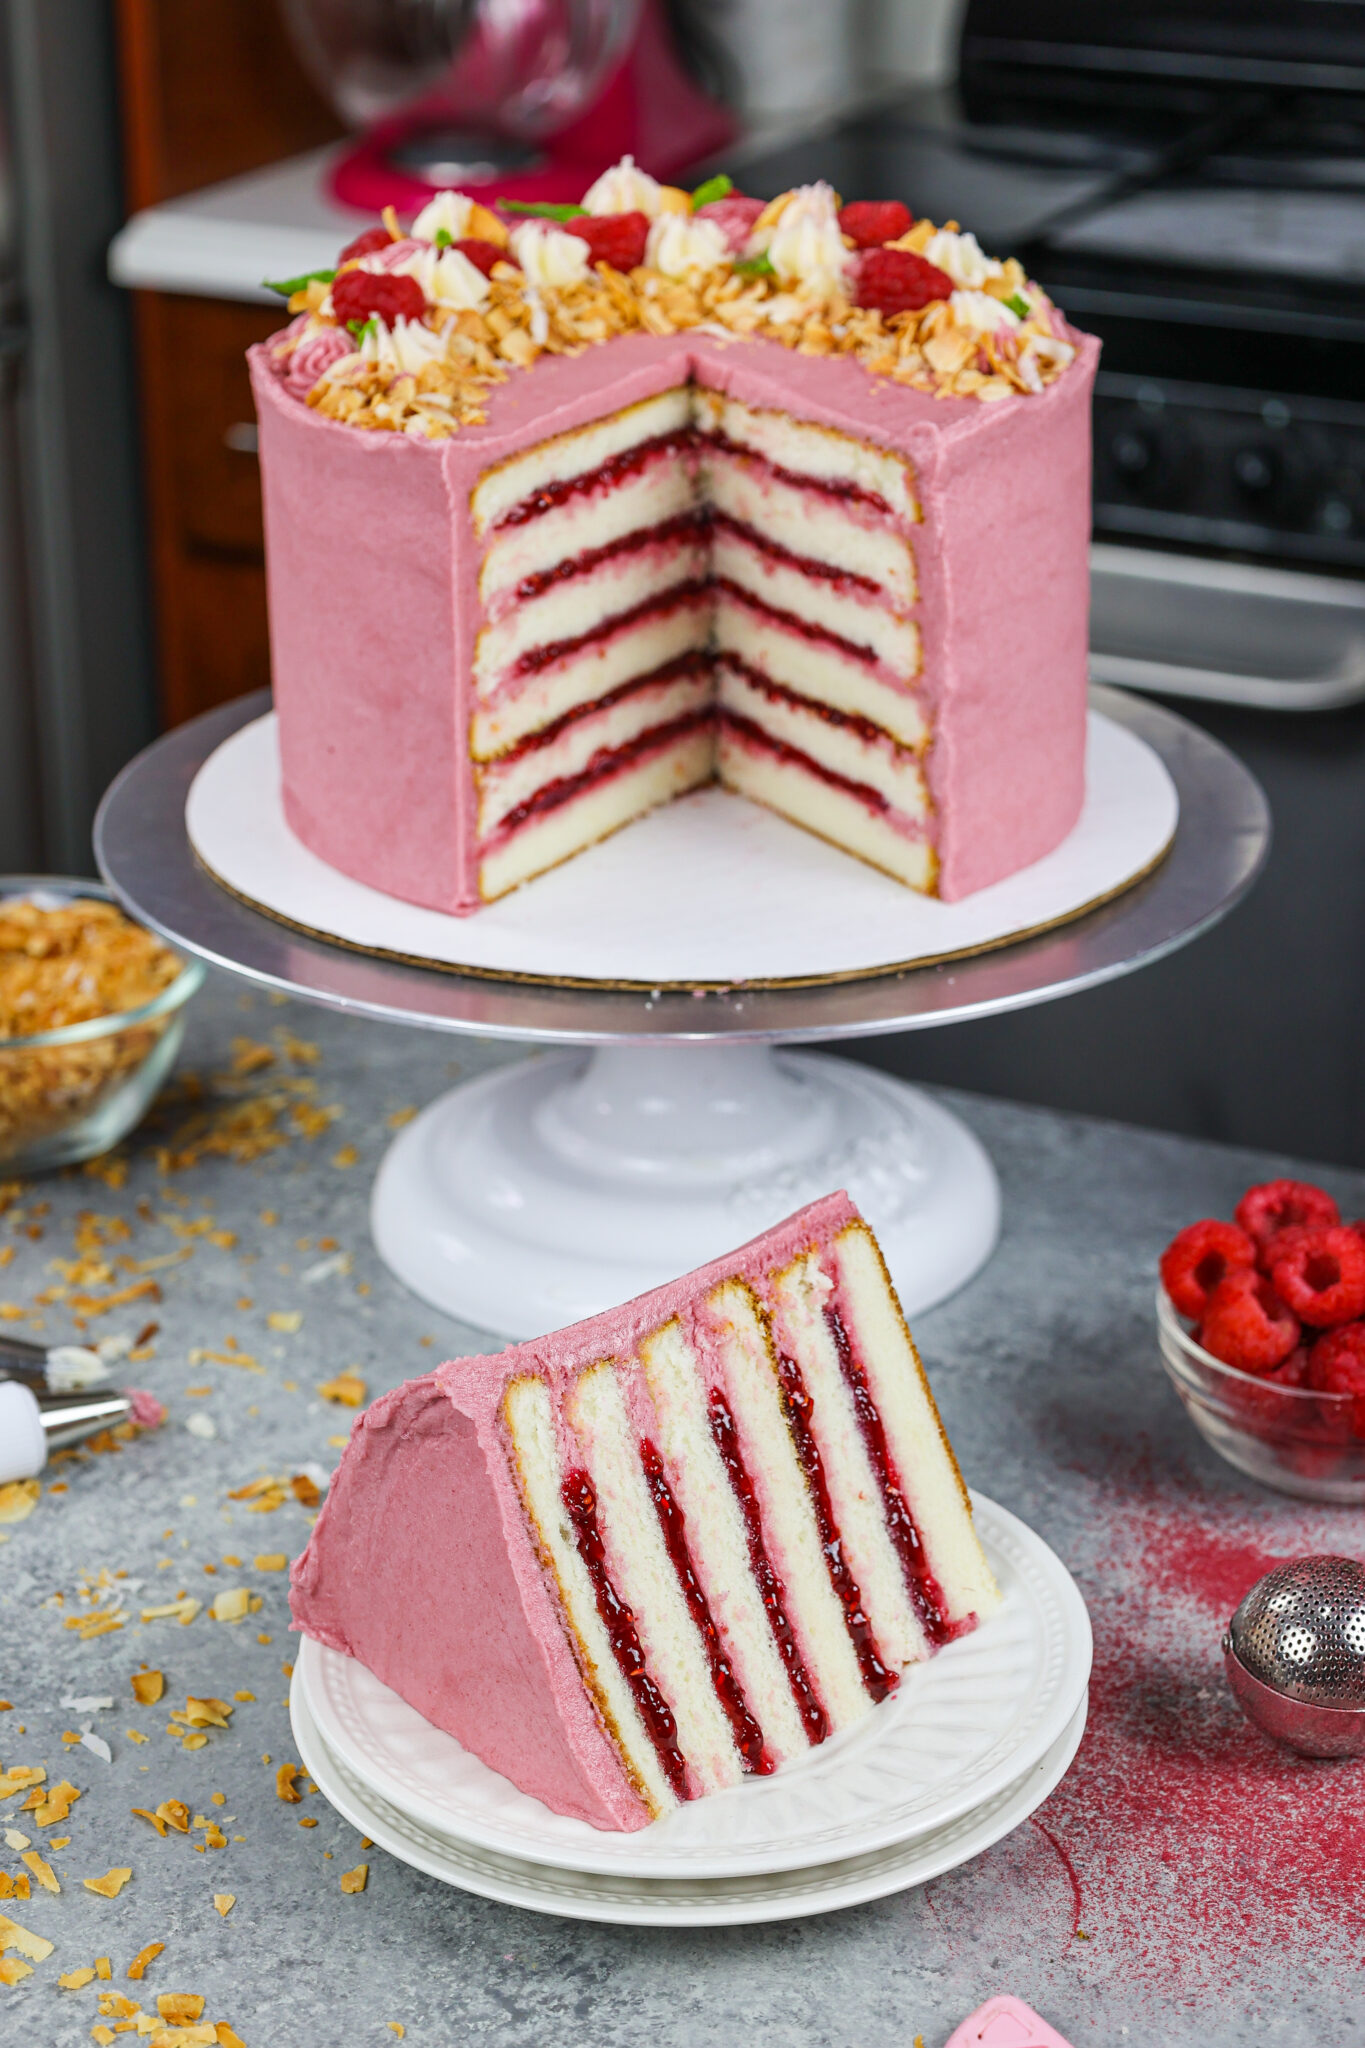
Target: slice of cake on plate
567,518
677,1544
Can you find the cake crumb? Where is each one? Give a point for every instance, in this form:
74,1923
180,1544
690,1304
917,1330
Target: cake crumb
355,1880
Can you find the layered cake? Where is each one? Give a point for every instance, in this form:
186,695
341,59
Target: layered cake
567,516
673,1546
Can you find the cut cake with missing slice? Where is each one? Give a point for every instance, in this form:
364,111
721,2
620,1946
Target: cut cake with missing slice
678,1543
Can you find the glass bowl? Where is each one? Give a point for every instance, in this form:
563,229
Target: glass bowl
1290,1438
72,1093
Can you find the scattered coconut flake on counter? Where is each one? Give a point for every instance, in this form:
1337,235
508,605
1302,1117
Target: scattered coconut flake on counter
97,1745
90,1703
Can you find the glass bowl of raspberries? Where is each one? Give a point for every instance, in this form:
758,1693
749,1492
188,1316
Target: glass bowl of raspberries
1261,1323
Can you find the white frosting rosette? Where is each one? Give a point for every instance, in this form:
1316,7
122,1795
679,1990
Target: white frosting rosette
805,245
962,258
548,256
680,244
625,188
448,210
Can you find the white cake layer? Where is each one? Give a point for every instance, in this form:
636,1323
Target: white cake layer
552,836
800,1294
790,1532
642,1572
833,814
509,484
592,671
924,1463
816,600
717,1539
812,451
879,764
584,604
809,523
530,1422
818,669
662,490
505,784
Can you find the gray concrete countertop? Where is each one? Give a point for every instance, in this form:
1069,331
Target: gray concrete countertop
1183,1871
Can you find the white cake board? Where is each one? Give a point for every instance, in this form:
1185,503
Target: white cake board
708,891
548,1191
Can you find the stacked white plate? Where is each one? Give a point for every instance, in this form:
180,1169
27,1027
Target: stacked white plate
962,1752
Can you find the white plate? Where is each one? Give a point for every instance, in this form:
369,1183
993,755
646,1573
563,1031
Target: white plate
680,1902
958,1730
658,903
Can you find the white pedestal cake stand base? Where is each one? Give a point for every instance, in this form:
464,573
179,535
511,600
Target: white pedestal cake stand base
543,1192
564,1185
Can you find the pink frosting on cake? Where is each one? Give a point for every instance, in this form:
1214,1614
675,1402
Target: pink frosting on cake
423,1566
373,565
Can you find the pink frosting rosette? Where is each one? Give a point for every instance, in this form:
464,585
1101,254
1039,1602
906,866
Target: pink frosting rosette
315,355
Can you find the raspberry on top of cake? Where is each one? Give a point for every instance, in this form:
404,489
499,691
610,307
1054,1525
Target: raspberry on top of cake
668,1548
412,329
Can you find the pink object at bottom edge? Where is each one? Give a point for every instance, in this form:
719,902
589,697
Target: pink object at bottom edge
1005,2022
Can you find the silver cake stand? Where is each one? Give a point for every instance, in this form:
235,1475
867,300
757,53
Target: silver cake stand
662,1130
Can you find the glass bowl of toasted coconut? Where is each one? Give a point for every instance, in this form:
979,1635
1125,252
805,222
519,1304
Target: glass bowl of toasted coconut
92,1013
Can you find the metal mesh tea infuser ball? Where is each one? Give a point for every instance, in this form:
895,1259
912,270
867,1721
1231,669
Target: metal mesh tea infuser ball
1294,1653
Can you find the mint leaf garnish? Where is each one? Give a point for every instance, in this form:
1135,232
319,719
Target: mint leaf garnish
714,188
443,238
362,328
1017,303
756,266
287,286
540,209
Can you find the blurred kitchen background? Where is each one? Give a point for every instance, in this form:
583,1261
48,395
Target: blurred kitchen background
1187,177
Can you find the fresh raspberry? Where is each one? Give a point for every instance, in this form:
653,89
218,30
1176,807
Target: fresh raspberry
1268,1411
734,215
615,238
1246,1324
1194,1262
1275,1205
898,281
357,294
1321,1275
365,245
1336,1365
483,255
870,222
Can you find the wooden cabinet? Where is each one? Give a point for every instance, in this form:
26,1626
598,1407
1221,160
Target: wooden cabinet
210,89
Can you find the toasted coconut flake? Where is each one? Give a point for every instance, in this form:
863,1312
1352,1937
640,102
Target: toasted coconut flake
232,1604
348,1390
180,2008
223,1903
42,1870
285,1788
19,1497
76,1980
137,1969
110,1885
35,1947
355,1880
19,1777
148,1686
13,1970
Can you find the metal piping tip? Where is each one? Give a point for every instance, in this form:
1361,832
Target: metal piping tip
69,1419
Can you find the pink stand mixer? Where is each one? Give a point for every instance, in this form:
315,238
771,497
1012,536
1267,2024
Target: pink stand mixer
523,99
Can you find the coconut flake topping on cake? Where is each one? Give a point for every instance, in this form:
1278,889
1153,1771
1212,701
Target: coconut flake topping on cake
479,299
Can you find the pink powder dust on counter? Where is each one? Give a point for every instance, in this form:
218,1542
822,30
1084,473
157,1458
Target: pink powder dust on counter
1184,1853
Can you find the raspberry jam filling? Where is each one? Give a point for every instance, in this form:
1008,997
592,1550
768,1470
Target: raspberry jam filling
748,1735
828,487
798,1407
848,721
803,629
753,735
689,525
844,580
667,601
926,1595
605,477
671,671
770,1587
607,762
580,1501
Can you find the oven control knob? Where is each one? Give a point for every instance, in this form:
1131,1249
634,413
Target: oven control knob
1136,454
1256,471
